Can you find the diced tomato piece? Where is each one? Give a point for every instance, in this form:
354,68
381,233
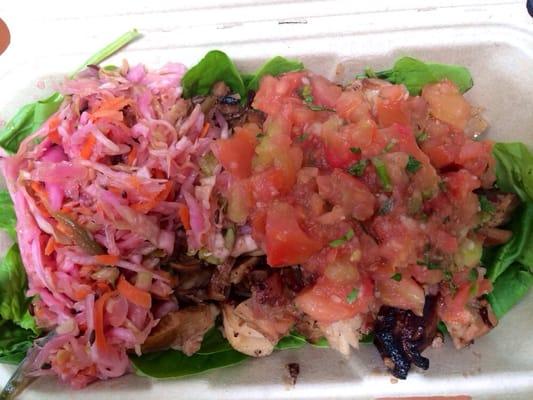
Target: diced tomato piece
327,301
405,294
352,106
286,242
459,184
273,91
444,241
348,192
447,104
324,92
236,153
476,157
240,201
392,106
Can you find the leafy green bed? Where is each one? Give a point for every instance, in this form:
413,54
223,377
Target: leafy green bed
510,266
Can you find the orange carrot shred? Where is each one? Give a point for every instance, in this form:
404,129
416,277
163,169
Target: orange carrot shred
87,148
205,129
100,339
137,296
50,246
183,211
132,156
107,259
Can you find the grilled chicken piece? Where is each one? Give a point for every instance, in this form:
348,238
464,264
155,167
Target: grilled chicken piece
400,336
242,336
343,335
476,320
182,330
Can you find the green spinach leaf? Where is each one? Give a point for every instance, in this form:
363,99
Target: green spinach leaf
14,342
175,364
514,169
510,288
292,341
275,66
27,120
8,219
415,74
213,343
517,248
13,300
215,67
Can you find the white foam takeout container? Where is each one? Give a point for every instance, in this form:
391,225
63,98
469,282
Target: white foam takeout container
338,39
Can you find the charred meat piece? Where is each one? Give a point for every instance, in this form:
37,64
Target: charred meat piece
504,205
400,336
182,330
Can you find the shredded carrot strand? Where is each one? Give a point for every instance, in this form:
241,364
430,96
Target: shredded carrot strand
87,148
146,206
183,211
50,246
132,156
107,259
205,129
100,339
133,294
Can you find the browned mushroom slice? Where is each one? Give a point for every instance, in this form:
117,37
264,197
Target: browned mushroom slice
219,284
242,268
182,330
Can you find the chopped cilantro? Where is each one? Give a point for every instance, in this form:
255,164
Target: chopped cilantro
421,137
358,168
397,277
383,175
355,150
413,165
343,239
303,137
352,296
473,274
389,146
485,204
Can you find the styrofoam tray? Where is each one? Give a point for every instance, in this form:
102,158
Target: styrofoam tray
336,38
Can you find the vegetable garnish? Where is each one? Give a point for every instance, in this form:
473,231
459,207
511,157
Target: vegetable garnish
343,239
415,74
382,173
413,165
396,277
358,168
352,296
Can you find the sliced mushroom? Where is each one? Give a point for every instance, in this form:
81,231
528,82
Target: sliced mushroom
343,335
218,288
182,330
242,268
242,336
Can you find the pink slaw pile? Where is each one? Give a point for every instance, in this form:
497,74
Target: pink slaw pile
101,192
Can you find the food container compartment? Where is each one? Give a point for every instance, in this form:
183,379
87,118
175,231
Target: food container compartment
494,39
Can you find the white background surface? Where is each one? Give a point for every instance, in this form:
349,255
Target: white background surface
493,38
